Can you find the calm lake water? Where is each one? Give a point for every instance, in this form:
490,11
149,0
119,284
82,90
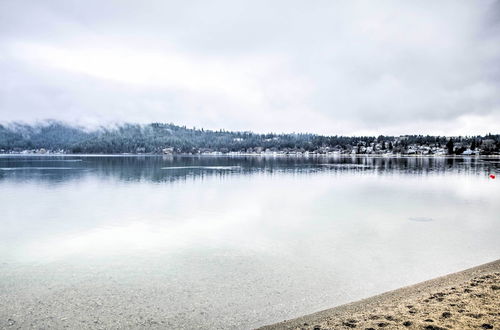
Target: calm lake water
231,242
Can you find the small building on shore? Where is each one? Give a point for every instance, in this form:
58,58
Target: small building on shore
168,151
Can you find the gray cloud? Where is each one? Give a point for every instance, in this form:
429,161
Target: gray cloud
333,67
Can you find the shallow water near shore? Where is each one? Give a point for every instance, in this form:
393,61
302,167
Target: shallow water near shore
231,242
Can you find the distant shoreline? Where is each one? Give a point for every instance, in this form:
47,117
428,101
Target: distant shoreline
157,138
246,155
462,300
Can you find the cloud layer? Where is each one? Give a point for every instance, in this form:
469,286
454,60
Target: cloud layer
330,67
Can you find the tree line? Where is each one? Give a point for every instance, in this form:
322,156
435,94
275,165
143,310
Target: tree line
160,138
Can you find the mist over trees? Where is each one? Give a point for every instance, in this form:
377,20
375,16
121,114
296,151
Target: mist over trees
162,138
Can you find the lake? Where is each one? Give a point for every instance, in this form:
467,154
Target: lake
230,242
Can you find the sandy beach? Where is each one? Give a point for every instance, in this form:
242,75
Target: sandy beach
469,299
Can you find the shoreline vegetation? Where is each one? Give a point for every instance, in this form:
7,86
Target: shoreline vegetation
53,137
468,299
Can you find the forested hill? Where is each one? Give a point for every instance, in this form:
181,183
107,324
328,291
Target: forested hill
169,138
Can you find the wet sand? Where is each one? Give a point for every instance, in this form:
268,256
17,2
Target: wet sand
469,299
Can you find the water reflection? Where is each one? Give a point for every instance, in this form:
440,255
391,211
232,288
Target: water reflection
237,242
173,168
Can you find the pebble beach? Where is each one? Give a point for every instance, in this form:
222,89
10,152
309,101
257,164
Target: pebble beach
465,300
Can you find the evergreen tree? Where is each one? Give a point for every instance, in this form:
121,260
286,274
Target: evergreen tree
449,146
473,145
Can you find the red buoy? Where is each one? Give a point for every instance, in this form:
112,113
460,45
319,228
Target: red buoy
492,176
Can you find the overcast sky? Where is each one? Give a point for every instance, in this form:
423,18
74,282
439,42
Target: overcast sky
328,67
